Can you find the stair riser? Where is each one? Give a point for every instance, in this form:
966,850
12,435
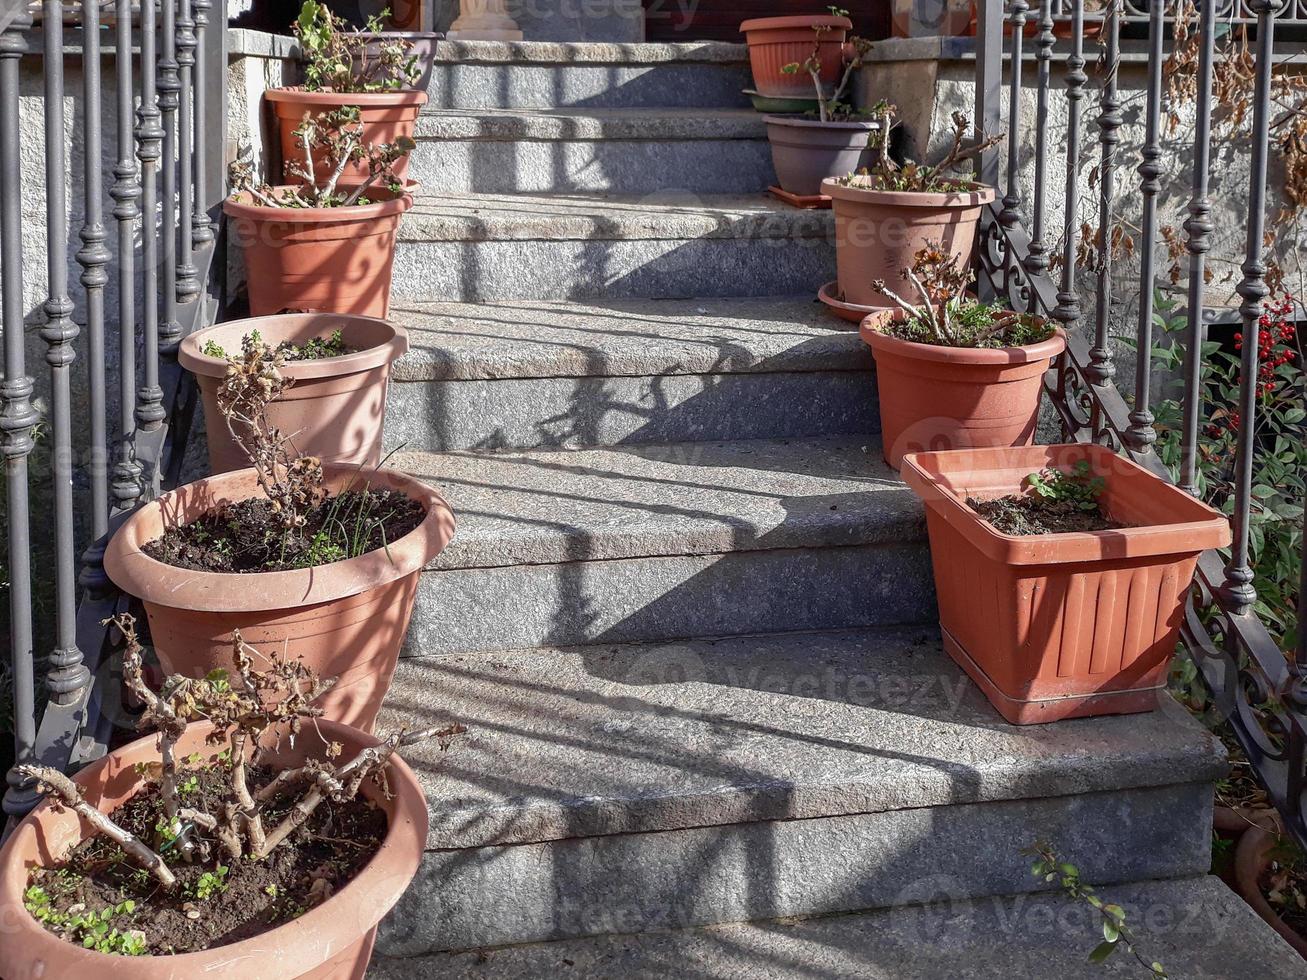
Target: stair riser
439,416
639,599
472,85
732,166
620,21
470,271
629,883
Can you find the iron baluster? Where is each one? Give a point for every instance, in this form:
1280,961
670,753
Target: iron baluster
1037,256
1101,370
170,330
1068,311
150,412
1010,215
188,282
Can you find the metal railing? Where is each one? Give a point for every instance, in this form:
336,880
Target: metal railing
166,65
1255,686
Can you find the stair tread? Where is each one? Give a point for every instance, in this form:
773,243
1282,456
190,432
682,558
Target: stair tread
580,123
561,53
1195,927
544,506
623,338
676,215
622,738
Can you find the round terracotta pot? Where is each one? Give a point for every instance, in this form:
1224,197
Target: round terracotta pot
934,398
877,234
1252,858
335,407
332,941
337,260
775,42
346,619
807,151
386,116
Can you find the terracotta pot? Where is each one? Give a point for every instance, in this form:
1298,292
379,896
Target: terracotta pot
775,42
935,397
423,49
386,117
1252,858
335,407
807,151
1055,626
346,619
338,260
877,234
332,941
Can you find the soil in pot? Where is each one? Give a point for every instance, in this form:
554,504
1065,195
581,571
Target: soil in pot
1035,515
242,536
209,908
313,349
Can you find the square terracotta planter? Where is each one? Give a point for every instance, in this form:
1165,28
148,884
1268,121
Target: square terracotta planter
1058,626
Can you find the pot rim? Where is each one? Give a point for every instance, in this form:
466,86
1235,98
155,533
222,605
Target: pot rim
191,356
139,575
237,206
980,194
990,356
403,844
773,119
1252,856
298,95
1202,529
795,20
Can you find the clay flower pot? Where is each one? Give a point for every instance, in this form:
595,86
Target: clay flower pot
338,260
347,619
877,233
386,116
775,42
935,397
1055,626
335,407
1252,858
807,151
332,941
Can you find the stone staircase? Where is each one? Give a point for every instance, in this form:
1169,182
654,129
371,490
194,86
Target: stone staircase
687,615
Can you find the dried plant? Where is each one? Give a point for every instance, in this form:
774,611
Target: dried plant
291,482
944,316
337,59
329,142
244,705
831,106
886,174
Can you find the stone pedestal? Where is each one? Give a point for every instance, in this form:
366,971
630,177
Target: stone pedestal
483,20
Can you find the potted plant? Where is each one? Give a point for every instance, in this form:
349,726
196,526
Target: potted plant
340,71
807,148
249,838
324,244
885,214
953,372
336,370
775,42
318,560
1061,574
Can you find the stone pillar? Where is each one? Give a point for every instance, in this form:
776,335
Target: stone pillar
483,20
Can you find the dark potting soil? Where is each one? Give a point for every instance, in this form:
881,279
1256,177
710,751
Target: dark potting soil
1039,515
101,893
246,536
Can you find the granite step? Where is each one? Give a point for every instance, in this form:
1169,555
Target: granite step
544,75
623,788
479,247
625,151
665,541
523,373
1195,927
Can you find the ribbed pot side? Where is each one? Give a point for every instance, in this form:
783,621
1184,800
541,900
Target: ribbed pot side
878,234
1056,626
807,151
775,42
335,407
934,398
385,117
332,941
347,619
